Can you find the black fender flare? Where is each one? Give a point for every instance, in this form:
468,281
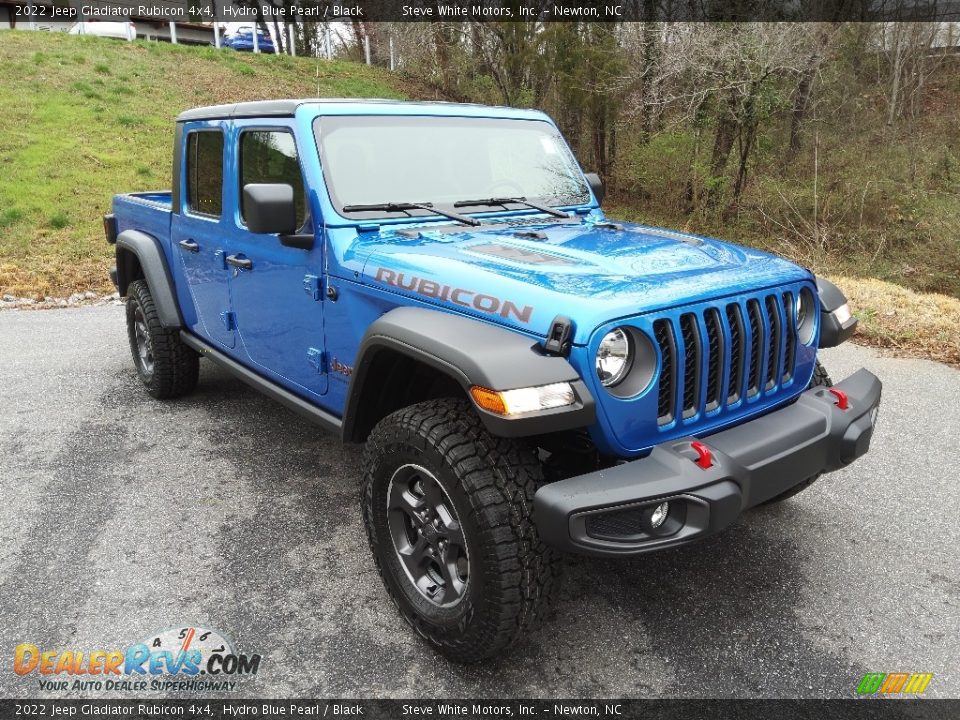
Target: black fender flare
149,255
834,329
471,352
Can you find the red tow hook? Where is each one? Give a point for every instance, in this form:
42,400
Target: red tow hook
705,459
843,402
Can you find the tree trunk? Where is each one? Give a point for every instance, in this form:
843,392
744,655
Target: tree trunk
279,40
896,71
801,101
722,145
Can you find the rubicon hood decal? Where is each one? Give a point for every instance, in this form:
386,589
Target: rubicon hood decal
458,296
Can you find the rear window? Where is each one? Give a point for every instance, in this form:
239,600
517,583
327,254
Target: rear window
270,156
205,172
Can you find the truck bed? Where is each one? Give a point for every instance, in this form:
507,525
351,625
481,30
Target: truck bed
147,212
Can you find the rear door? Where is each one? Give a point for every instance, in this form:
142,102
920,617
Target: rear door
278,298
199,227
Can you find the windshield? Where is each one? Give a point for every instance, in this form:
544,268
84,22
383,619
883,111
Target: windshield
371,160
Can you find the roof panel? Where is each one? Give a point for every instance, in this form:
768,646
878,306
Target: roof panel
287,108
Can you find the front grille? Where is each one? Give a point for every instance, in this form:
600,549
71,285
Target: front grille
663,331
773,346
715,357
755,338
735,323
691,364
756,346
790,346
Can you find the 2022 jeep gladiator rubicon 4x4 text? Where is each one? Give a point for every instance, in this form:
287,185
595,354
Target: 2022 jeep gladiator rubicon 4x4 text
439,282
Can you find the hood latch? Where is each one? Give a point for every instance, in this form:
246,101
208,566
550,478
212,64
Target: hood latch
559,337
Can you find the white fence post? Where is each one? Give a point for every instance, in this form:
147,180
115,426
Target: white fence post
366,47
216,34
173,33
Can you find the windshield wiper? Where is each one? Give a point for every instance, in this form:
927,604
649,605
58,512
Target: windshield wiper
518,200
404,206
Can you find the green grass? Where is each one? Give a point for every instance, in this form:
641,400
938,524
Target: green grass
86,117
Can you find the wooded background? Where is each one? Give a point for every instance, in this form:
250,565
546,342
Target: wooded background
835,143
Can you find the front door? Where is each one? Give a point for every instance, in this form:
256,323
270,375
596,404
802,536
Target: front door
276,290
197,232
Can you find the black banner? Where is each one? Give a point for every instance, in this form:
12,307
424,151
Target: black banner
201,709
506,10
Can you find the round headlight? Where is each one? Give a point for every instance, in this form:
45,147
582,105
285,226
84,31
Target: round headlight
613,357
805,320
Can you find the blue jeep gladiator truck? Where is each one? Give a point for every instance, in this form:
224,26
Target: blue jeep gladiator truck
439,282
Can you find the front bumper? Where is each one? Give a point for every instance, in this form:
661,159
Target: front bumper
606,513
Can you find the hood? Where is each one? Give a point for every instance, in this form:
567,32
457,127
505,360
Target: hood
592,272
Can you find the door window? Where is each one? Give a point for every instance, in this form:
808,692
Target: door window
205,172
270,156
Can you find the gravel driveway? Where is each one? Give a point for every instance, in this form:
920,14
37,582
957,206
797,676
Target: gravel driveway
122,516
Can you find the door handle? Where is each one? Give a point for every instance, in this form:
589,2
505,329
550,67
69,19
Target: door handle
190,245
240,262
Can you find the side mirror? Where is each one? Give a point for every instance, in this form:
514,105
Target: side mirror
269,208
596,184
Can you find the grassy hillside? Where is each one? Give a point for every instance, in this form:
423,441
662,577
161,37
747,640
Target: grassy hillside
87,117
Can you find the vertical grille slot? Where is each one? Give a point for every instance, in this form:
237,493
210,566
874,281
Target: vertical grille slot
735,320
756,346
773,344
714,357
663,333
691,364
790,347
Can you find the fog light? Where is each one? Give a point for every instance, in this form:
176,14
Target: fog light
659,515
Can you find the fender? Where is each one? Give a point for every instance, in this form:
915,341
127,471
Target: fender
837,324
148,253
471,352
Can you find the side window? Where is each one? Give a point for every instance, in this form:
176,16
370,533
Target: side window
205,172
270,156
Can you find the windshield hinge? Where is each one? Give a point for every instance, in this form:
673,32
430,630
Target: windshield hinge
558,338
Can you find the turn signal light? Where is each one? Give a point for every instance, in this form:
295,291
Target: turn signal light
489,400
523,400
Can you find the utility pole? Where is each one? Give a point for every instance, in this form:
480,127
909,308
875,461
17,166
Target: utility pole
326,32
256,37
293,42
30,23
173,33
392,63
366,46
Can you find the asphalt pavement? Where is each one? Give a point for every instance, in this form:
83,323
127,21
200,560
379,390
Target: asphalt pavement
122,516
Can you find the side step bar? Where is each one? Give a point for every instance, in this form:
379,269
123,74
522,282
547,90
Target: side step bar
285,397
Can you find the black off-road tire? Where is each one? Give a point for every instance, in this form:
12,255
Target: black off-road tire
167,367
513,576
820,379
